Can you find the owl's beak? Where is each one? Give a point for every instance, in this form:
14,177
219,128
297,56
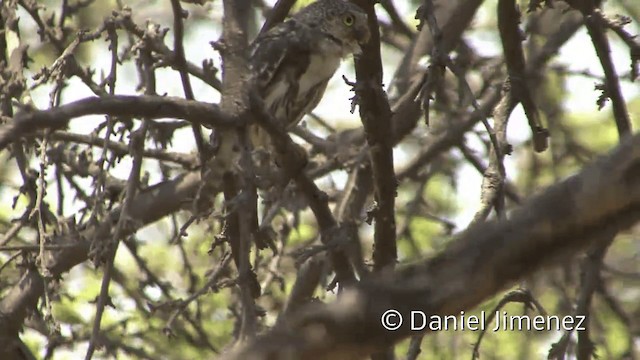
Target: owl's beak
363,35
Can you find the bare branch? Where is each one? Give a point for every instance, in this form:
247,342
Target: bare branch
152,107
480,262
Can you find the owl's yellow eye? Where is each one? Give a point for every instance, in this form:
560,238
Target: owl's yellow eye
348,20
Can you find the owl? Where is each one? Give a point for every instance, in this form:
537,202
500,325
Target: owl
292,63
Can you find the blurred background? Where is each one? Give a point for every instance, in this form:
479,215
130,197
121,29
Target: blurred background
438,195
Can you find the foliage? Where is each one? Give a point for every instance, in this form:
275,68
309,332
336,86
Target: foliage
113,205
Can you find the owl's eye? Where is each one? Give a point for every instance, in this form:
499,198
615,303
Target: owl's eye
348,20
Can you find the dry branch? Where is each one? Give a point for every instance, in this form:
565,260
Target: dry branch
151,107
148,206
511,38
376,118
483,260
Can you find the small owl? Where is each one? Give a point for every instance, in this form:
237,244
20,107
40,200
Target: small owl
292,63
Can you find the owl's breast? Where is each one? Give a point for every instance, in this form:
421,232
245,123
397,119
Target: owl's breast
300,82
321,68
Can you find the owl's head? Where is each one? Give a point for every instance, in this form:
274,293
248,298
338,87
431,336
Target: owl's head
344,21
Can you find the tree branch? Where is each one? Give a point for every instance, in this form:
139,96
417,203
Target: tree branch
152,107
483,260
376,116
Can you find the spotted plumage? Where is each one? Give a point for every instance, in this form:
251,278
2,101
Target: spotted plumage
292,63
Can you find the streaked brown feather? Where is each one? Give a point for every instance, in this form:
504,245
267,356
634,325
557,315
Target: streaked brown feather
292,63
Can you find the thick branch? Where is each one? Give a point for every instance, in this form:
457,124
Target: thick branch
243,222
483,260
151,107
376,118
